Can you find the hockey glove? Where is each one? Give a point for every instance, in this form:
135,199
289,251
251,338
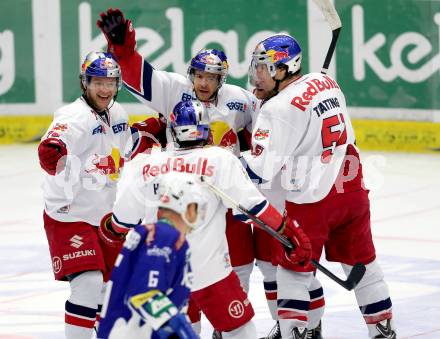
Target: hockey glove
177,327
162,315
302,253
108,235
149,132
119,32
50,152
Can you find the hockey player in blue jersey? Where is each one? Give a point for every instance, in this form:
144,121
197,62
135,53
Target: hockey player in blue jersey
148,292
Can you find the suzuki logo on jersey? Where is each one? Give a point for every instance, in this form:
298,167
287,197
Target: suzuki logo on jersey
179,165
314,87
238,106
76,241
78,254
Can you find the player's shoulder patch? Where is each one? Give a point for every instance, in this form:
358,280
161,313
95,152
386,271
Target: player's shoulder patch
134,237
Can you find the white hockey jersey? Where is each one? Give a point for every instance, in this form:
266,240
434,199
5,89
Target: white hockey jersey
161,91
302,132
86,189
136,199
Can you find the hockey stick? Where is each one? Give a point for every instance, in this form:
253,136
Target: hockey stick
332,17
353,278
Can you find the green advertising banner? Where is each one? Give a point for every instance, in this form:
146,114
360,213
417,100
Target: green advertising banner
169,33
17,76
389,53
387,56
386,61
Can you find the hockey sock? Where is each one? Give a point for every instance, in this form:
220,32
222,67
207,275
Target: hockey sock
317,303
269,272
373,297
293,299
81,308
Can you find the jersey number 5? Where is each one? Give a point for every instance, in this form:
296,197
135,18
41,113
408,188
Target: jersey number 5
333,134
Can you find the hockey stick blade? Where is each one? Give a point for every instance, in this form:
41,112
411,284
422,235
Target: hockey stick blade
353,278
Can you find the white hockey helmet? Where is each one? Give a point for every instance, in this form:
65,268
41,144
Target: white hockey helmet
177,190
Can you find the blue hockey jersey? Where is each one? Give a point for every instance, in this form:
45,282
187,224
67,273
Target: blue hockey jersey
141,268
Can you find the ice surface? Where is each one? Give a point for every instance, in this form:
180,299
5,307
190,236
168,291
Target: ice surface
406,229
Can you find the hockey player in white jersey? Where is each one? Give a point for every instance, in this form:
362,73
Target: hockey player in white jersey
230,108
216,288
304,131
82,153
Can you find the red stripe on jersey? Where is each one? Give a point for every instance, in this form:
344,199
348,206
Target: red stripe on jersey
72,320
271,217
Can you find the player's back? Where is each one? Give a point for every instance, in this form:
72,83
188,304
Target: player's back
312,119
209,250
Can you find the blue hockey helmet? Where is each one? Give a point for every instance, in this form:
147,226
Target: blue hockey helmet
100,64
211,61
189,121
281,49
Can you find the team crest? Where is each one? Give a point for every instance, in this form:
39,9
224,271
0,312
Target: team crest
261,134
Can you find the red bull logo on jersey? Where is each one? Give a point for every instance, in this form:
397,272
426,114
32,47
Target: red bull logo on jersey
261,134
59,127
314,87
111,165
57,130
201,167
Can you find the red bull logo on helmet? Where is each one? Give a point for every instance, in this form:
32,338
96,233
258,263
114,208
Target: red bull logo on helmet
107,63
277,55
208,59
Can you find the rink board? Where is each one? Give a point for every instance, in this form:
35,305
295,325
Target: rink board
375,135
